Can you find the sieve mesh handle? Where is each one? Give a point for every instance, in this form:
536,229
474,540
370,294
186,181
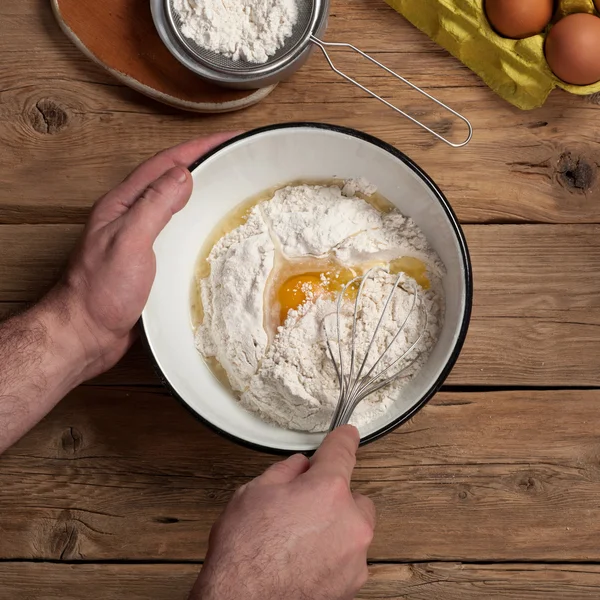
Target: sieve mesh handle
324,45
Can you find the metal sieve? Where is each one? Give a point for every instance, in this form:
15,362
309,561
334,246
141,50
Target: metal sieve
311,25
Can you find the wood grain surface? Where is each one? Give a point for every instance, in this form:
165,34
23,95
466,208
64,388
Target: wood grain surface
66,112
490,492
537,301
421,581
129,474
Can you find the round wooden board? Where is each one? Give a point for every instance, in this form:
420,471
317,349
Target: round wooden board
120,36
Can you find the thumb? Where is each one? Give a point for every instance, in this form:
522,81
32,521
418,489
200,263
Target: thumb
159,202
286,471
337,453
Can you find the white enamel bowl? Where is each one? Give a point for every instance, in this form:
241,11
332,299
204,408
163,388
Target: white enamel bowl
246,166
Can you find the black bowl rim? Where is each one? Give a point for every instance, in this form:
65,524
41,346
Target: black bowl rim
435,387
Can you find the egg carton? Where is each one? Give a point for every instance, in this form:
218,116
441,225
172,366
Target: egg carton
515,69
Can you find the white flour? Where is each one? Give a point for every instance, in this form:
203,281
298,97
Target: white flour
250,30
233,300
292,381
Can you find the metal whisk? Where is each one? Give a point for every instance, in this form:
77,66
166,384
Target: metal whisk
355,383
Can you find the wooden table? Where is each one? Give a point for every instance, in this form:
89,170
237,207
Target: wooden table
492,491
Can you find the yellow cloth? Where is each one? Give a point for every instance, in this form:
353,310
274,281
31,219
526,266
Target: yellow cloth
515,69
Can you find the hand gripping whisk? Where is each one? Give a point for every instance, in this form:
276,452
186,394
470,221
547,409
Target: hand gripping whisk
355,383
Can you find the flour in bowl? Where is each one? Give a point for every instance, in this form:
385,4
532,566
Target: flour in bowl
249,30
233,300
271,293
296,385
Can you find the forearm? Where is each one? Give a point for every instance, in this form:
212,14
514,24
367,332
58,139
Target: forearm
42,358
87,323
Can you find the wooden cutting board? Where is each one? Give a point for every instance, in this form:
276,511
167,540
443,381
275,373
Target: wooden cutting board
120,36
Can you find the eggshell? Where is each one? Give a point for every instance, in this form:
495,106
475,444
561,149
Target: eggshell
573,49
519,19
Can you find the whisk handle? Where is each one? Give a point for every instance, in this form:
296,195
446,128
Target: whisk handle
343,413
324,45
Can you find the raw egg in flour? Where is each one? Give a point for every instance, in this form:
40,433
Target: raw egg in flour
296,290
573,49
306,284
519,18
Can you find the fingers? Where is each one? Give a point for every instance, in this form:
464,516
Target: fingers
119,200
337,454
285,471
182,155
158,203
366,507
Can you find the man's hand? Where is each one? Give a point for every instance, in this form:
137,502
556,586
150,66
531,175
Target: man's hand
112,270
85,324
296,532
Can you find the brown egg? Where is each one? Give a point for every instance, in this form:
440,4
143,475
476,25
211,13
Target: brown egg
573,49
519,18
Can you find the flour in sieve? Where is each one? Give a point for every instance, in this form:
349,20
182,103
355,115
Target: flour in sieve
249,30
291,380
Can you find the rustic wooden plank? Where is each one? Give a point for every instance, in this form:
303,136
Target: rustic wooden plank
46,581
455,581
537,301
32,258
537,307
421,581
538,166
497,476
482,476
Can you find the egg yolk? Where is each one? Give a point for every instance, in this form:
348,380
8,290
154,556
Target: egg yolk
296,290
299,288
